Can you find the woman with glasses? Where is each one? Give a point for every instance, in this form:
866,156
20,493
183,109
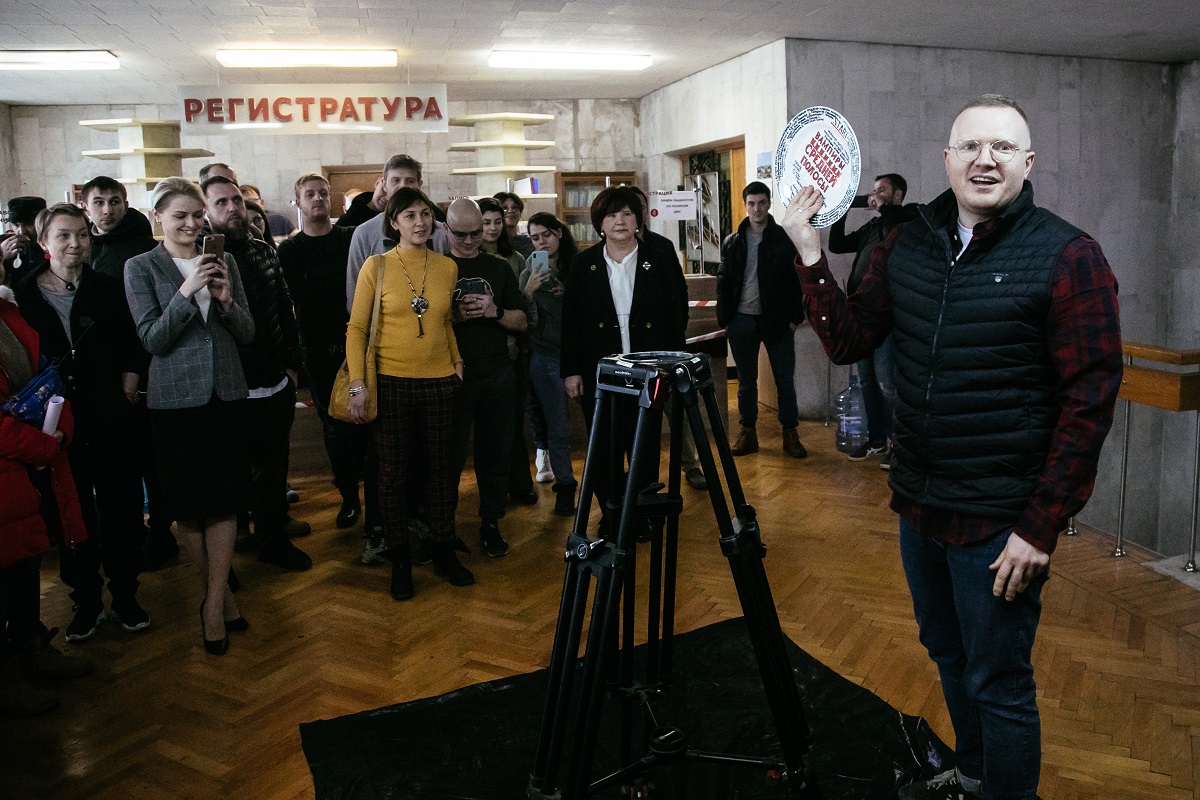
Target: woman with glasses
85,328
419,377
191,315
514,207
543,291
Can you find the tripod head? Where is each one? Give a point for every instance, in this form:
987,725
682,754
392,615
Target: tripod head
649,375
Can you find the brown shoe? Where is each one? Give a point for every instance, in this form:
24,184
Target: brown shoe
792,444
747,442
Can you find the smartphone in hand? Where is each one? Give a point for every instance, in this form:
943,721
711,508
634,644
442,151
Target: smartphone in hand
214,244
539,261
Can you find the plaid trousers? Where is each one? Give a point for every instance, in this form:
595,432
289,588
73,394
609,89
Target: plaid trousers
413,410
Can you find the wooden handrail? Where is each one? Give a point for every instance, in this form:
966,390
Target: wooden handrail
1162,355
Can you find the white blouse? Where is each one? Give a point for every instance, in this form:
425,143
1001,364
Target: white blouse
621,276
203,297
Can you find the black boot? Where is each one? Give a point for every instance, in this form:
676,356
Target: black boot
564,499
446,564
402,583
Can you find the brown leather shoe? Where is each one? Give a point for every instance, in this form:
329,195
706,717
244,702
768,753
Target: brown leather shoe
747,442
792,444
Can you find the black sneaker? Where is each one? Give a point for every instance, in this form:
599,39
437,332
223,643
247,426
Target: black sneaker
695,479
493,543
349,513
83,625
282,553
945,786
867,450
127,613
526,496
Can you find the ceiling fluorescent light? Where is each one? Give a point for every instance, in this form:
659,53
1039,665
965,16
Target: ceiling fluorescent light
58,60
549,59
306,58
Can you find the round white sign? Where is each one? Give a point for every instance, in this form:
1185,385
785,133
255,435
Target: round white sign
818,148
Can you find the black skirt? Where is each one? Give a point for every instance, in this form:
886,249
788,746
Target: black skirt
203,465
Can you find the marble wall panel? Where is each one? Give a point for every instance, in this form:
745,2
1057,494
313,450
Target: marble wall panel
47,141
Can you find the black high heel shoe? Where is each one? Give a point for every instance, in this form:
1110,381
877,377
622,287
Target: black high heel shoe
236,625
214,647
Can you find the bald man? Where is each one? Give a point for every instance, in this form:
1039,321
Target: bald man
488,306
1008,361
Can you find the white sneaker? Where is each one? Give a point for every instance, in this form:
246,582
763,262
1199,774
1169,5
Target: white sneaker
371,551
542,463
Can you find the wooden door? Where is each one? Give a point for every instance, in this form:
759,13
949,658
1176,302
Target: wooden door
344,178
737,182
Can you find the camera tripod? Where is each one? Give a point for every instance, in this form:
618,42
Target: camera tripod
563,764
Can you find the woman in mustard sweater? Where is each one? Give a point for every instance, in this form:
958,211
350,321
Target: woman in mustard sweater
420,376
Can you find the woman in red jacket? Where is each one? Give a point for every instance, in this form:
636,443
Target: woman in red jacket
28,455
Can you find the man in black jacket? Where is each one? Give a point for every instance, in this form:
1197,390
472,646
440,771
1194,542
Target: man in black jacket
271,363
118,232
875,371
758,303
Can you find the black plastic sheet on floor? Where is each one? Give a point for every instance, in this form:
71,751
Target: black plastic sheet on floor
478,743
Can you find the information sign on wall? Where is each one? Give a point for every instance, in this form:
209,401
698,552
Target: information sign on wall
314,108
673,205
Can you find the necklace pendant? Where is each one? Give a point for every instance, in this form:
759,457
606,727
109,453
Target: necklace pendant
420,305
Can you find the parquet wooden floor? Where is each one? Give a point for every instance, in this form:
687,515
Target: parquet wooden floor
1116,656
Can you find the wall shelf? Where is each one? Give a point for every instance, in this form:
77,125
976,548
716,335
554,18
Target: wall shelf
148,150
500,146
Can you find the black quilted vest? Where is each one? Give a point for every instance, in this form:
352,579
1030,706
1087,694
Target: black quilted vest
976,403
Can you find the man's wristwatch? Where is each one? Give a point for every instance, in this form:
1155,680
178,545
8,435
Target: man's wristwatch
499,313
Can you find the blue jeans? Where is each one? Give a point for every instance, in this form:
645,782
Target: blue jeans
745,336
552,397
875,372
981,645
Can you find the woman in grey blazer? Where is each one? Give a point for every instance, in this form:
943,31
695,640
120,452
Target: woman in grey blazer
191,314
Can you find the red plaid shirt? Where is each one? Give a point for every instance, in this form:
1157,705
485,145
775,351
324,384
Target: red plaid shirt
1083,331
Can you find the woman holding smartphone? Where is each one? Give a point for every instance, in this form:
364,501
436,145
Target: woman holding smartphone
190,311
542,285
419,377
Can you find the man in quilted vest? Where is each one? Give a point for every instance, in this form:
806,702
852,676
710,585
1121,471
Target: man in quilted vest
1008,360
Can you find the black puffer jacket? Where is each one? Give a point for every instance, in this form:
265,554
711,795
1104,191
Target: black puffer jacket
779,288
132,237
276,344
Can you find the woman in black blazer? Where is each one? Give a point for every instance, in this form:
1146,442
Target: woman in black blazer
622,296
86,329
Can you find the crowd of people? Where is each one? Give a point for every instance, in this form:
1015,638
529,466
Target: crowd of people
181,357
988,326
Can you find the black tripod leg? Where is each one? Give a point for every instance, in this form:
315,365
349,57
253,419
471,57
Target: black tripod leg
744,553
603,632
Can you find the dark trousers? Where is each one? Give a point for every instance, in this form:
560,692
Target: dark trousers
745,335
268,441
347,444
20,606
520,479
876,374
982,646
486,406
417,413
107,473
160,520
626,426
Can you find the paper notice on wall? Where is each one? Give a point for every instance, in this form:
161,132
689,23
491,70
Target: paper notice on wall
665,205
818,148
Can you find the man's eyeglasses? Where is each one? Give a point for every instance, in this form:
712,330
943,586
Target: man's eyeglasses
475,234
969,149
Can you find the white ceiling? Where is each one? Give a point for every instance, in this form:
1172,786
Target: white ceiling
164,44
